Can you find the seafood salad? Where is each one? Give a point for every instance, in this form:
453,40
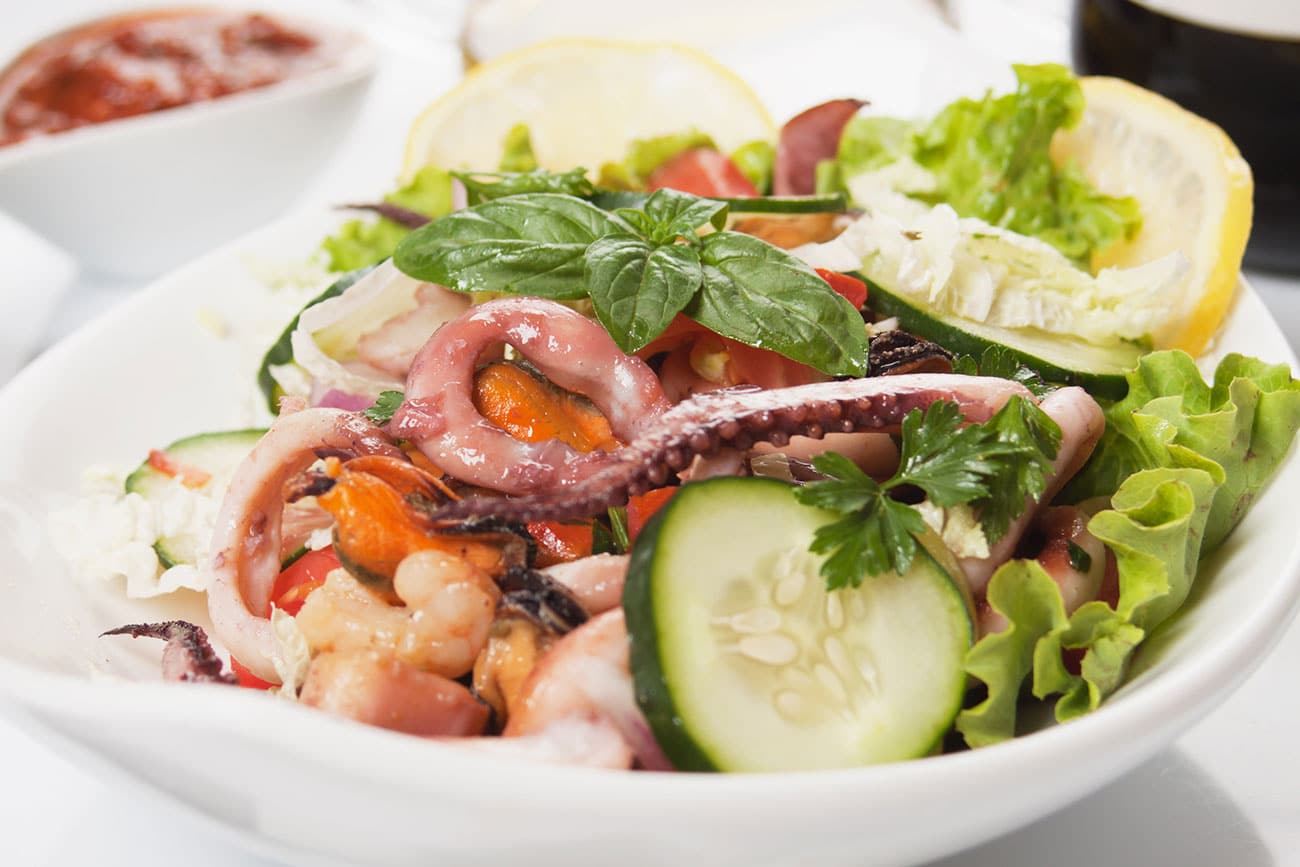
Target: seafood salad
819,447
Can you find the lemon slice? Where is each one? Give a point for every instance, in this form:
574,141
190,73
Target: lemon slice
584,101
1194,189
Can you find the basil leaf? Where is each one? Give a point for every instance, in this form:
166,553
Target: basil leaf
762,296
678,215
526,245
484,186
637,288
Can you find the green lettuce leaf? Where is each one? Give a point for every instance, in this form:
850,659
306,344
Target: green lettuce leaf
1155,529
990,158
1028,597
755,160
646,155
869,143
517,151
1238,430
362,243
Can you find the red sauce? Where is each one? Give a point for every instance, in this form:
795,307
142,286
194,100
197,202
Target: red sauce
149,61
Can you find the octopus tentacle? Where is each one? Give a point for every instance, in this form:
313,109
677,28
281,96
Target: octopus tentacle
1081,422
187,657
737,419
246,545
574,352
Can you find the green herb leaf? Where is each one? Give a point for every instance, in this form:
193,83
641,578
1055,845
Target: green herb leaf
527,245
949,462
762,296
878,537
1000,362
618,529
484,186
668,215
517,150
1028,441
637,288
994,467
385,405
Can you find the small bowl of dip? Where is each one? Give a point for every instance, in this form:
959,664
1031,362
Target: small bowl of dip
136,141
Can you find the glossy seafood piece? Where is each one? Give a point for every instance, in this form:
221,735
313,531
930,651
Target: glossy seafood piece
187,657
1082,423
246,544
574,352
381,509
583,682
374,689
1074,558
596,581
737,419
441,626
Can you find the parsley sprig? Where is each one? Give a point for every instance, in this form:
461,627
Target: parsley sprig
993,467
381,412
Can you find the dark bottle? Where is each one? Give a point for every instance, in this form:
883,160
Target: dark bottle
1236,62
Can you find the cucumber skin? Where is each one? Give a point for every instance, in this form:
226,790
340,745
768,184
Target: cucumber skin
144,474
912,319
281,351
653,695
835,203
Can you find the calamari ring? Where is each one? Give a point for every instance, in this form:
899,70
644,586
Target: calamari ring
246,544
576,353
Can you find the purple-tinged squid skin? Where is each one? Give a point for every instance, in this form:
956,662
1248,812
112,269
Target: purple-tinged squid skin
736,419
187,657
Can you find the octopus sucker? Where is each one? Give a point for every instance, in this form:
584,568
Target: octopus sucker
735,420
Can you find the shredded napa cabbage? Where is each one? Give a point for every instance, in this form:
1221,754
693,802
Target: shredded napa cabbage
108,534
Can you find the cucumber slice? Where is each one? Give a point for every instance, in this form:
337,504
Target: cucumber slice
832,203
218,455
1099,369
743,661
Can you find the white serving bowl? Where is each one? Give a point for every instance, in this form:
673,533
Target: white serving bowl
137,196
303,786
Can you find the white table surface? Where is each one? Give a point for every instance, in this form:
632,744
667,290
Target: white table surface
1226,794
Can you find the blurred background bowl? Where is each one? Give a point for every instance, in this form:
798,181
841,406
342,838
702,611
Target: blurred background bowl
136,196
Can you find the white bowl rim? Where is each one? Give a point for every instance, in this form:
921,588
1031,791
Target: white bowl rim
358,61
1163,706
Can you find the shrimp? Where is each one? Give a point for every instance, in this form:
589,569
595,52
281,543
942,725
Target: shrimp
583,685
449,607
374,689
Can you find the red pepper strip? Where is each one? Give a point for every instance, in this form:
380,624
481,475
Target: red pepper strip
641,509
191,477
851,288
561,541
